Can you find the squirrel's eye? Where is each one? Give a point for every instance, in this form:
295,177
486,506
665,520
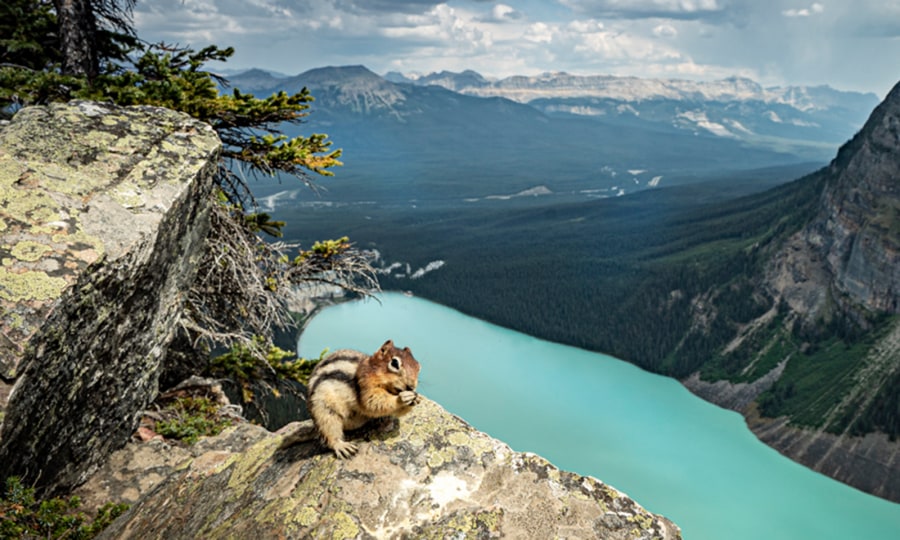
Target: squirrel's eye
394,365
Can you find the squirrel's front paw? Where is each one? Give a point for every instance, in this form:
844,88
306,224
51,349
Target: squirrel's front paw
409,398
344,449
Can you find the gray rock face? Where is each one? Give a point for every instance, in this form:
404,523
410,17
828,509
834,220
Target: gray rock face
853,247
104,220
862,212
428,475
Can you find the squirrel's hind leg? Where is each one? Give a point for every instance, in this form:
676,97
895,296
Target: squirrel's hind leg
331,428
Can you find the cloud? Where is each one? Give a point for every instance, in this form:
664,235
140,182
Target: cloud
637,9
442,24
503,13
383,6
665,31
539,33
815,9
697,39
591,46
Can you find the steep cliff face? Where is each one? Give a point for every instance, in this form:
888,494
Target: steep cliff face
852,248
861,213
103,222
829,398
428,475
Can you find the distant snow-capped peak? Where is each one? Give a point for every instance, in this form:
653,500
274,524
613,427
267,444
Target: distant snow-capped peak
525,89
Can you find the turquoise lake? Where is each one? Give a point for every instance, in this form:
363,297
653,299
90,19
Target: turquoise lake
644,434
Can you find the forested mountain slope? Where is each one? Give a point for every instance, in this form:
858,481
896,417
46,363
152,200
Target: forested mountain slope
826,354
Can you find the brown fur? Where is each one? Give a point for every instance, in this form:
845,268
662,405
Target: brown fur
348,389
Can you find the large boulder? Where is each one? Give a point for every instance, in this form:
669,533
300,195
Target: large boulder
104,216
428,475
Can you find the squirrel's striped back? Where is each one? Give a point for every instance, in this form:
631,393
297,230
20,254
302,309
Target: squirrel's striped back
338,368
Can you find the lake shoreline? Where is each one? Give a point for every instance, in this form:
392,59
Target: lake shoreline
675,453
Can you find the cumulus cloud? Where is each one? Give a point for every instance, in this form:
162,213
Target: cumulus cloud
539,33
503,13
814,9
444,24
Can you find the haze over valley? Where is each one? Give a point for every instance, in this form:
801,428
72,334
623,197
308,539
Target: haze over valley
422,141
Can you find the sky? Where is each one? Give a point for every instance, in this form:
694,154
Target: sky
846,44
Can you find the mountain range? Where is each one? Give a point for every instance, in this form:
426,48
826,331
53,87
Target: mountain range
796,119
733,107
526,89
412,140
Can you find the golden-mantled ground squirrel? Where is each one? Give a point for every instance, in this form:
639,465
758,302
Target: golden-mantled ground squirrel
349,388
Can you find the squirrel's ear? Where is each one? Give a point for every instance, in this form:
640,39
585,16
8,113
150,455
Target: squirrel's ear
406,350
387,345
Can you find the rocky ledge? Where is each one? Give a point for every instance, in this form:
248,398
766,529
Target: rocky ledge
428,475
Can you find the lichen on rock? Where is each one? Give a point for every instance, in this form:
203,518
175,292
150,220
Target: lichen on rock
427,475
104,216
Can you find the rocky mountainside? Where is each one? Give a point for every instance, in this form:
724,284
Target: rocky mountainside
858,229
850,252
831,401
352,87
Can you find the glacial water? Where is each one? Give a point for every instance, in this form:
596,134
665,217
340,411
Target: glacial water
674,453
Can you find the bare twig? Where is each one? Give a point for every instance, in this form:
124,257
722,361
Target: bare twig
244,284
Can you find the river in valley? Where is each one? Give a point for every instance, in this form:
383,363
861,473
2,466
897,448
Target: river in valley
646,435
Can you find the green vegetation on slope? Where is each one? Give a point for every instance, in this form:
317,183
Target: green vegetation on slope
189,418
814,388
